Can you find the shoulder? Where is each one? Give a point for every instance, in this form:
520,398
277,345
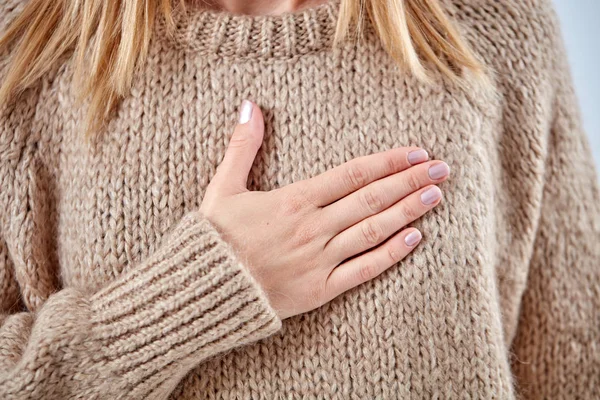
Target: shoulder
521,44
512,20
514,37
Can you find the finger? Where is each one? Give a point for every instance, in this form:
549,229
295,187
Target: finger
371,264
232,173
381,194
344,179
373,230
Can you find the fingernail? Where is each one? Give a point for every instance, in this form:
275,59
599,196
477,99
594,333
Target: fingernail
413,238
417,156
431,195
245,111
438,171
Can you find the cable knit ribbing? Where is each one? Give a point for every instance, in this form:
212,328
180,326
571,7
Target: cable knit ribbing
162,313
113,285
269,36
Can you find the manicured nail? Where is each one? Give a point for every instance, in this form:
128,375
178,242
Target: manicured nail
417,156
412,238
245,111
431,195
439,171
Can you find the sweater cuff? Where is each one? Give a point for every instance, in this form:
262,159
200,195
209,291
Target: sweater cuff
190,300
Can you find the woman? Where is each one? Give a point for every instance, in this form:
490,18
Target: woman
161,257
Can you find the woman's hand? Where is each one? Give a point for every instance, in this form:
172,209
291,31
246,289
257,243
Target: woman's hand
296,240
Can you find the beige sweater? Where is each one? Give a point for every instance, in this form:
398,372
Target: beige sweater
113,285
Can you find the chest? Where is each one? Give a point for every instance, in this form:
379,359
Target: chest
121,192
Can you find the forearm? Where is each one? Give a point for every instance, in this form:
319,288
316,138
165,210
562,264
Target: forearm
139,335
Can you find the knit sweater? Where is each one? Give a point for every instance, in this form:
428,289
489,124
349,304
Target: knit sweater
114,285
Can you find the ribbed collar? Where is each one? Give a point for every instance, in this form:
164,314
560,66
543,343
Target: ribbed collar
252,36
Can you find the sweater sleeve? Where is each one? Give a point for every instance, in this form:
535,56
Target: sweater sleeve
138,336
557,346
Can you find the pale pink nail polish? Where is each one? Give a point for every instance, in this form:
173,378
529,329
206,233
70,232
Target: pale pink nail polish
431,195
245,111
412,238
417,156
438,171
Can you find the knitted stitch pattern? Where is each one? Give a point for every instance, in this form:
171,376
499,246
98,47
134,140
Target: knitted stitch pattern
114,285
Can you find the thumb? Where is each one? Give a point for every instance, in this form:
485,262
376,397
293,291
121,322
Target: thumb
232,173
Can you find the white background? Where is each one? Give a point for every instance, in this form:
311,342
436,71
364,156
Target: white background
580,24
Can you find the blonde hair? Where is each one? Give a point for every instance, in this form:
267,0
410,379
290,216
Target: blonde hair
108,39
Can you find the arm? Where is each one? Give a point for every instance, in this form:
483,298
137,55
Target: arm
556,350
141,334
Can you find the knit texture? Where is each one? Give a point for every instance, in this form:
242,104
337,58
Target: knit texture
114,285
